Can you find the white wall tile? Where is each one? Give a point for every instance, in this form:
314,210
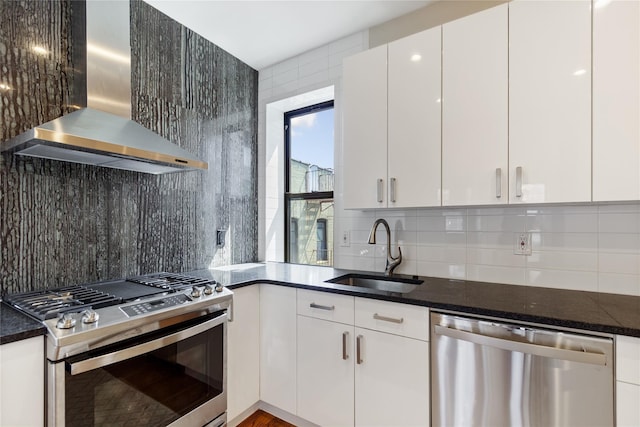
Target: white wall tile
441,269
619,242
625,284
618,223
562,223
514,223
497,274
562,279
618,263
575,242
496,257
578,261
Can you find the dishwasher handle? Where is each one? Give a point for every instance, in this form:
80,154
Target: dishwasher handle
521,347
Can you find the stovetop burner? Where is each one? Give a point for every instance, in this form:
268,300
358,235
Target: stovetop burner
50,303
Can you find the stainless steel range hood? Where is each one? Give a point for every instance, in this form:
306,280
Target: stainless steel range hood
101,132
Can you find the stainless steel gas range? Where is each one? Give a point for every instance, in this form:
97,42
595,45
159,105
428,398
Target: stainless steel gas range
145,351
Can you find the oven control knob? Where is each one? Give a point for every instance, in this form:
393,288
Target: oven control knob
208,290
218,287
90,316
66,321
195,292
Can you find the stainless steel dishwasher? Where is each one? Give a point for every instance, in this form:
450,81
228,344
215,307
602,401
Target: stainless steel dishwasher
493,373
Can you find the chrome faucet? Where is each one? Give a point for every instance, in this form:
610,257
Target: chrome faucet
392,262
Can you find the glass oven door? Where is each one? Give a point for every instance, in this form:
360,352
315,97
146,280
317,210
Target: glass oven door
173,376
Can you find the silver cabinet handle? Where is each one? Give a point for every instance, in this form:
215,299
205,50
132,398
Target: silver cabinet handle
522,347
380,190
359,350
519,181
388,319
392,190
345,335
322,307
498,183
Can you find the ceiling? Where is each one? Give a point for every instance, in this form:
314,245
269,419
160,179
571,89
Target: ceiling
264,32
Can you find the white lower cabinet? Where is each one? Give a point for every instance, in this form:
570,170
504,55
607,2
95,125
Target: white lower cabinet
22,383
627,381
243,351
278,346
369,369
391,380
325,373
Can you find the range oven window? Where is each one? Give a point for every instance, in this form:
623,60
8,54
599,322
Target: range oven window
151,389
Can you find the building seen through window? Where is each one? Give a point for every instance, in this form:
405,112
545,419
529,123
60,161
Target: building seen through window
309,185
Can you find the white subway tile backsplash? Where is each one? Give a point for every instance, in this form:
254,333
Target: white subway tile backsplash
442,238
619,242
442,254
618,263
497,274
441,269
618,222
490,239
563,223
563,279
578,261
575,242
626,284
495,257
514,223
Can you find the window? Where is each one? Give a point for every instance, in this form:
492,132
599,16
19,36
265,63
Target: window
309,185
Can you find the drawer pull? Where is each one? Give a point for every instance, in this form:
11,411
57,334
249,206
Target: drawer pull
322,307
388,319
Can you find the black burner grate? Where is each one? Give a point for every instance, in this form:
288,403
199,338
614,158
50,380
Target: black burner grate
47,304
171,281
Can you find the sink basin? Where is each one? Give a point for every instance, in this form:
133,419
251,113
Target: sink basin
380,283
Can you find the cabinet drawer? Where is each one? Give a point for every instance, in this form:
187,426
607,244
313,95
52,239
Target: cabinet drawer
327,306
400,319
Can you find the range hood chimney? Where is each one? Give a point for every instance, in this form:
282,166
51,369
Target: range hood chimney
101,131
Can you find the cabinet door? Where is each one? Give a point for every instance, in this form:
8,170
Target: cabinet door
549,101
628,381
616,100
22,384
414,143
475,109
278,346
391,380
243,362
325,372
365,129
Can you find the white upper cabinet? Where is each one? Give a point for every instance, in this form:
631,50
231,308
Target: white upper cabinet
475,109
616,100
549,101
414,120
364,170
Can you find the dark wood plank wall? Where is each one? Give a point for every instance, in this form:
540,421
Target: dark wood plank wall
64,223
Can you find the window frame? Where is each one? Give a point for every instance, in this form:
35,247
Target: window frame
288,196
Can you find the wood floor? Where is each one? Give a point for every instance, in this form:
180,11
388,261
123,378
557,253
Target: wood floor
263,419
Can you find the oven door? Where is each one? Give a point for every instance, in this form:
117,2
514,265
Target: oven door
175,376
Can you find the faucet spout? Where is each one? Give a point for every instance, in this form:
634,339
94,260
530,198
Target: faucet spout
392,262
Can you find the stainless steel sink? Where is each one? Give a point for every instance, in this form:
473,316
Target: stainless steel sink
380,283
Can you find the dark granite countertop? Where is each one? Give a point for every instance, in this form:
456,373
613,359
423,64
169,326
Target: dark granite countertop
16,326
592,311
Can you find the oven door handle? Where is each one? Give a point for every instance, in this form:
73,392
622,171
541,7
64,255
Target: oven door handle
131,352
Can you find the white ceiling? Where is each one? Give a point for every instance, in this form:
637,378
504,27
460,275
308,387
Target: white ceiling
264,32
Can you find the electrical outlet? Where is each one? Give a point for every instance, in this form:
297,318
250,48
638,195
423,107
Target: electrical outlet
346,238
523,244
